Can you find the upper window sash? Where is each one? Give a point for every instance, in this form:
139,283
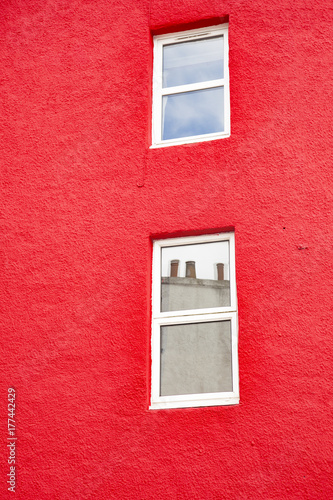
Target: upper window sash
183,242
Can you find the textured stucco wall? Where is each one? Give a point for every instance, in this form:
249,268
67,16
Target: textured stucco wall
82,197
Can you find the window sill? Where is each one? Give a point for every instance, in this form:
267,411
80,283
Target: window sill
194,403
190,140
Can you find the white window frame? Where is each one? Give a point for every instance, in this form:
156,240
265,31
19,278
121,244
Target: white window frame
192,316
158,91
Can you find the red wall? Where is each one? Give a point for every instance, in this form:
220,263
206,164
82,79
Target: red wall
82,195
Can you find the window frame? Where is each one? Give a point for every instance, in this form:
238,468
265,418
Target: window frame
191,35
190,316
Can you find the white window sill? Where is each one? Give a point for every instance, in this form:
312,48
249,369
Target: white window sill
190,140
194,403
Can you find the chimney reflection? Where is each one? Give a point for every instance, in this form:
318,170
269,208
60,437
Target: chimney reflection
174,268
190,269
220,271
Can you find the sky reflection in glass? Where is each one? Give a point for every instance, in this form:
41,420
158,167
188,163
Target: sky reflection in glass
193,113
192,62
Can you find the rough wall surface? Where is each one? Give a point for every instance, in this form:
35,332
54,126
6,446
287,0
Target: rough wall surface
82,196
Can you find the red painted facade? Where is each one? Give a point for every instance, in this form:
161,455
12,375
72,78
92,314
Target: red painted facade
83,196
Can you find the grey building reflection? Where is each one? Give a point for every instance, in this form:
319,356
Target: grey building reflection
195,357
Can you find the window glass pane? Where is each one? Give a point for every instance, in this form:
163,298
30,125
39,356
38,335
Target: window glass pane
192,62
192,113
195,276
196,358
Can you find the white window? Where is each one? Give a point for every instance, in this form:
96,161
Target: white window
191,86
194,322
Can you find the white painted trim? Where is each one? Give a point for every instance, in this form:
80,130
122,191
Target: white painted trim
158,91
198,33
194,403
190,240
192,316
189,140
191,87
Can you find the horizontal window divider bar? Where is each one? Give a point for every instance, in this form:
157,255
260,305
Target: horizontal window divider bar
196,318
192,87
204,311
180,315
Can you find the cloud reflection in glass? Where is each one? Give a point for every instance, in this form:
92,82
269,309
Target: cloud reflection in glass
192,62
193,113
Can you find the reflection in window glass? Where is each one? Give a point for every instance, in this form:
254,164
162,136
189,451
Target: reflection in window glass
196,358
195,276
193,113
192,62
